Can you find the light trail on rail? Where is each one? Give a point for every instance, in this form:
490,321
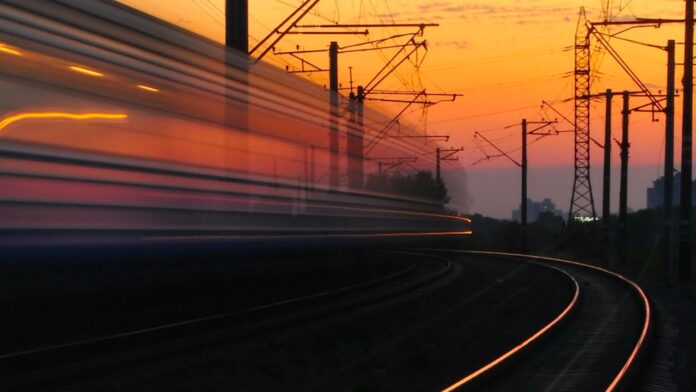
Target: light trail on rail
525,343
635,348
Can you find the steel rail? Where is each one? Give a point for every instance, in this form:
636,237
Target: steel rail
620,377
526,342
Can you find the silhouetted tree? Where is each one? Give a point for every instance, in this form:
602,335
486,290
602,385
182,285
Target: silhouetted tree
421,185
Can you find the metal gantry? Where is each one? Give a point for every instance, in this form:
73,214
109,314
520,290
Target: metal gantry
358,146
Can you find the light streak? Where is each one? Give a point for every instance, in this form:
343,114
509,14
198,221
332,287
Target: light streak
636,349
281,203
307,236
148,88
60,115
646,306
522,345
86,71
6,49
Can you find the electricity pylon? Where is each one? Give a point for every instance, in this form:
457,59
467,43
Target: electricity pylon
582,201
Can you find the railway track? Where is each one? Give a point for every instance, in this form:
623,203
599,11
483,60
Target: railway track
523,323
592,345
169,346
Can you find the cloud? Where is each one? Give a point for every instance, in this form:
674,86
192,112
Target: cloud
519,13
457,44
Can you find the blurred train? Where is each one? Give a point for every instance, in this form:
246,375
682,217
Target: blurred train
116,127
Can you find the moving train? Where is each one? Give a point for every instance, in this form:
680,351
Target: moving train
116,127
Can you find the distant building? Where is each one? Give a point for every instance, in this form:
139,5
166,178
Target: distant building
655,193
534,208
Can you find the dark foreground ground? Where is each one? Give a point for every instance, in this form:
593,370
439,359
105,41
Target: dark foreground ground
424,341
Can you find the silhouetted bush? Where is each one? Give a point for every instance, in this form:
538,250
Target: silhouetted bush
421,185
550,235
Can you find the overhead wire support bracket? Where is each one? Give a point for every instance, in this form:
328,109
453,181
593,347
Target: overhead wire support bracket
624,65
427,103
565,118
368,25
373,142
392,162
363,32
385,71
303,10
448,154
503,153
443,138
400,92
340,50
386,159
541,125
637,21
314,68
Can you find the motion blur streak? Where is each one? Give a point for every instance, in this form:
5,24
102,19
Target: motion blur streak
212,146
69,116
148,88
85,71
5,49
310,236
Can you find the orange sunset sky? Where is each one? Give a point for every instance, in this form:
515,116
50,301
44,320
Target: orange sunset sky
505,57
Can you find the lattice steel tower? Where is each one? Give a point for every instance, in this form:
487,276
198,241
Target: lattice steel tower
582,202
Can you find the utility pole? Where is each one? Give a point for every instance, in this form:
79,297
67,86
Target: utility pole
523,166
687,124
523,206
606,189
437,165
237,25
623,191
237,68
351,145
305,165
334,176
312,167
354,140
447,154
360,156
667,196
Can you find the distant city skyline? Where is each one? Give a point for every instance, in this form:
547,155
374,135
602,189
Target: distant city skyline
544,182
535,208
654,194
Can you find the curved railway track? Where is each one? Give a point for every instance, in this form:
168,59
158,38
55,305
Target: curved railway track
529,323
594,342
